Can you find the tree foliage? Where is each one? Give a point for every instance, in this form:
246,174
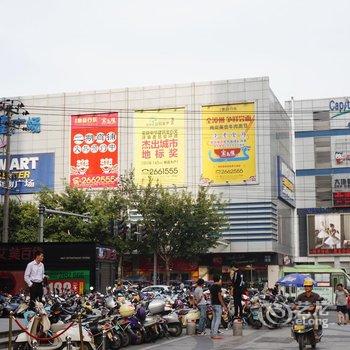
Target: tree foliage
175,223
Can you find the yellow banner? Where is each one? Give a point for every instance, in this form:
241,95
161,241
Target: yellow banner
228,144
160,146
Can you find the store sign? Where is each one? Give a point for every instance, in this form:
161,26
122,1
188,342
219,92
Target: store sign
94,151
341,190
228,144
160,146
62,286
106,254
286,182
329,234
29,173
74,280
340,107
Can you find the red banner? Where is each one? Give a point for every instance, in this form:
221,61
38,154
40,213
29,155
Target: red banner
94,150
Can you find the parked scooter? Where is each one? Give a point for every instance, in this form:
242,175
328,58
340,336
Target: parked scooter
40,326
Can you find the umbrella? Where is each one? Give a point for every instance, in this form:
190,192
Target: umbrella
294,280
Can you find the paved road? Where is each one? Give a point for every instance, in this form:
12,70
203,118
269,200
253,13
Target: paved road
335,338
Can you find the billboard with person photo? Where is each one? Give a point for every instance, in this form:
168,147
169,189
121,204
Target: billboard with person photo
329,233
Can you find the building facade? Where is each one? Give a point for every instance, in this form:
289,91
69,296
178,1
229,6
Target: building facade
322,136
233,134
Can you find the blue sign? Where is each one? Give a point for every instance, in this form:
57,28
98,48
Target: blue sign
286,182
29,173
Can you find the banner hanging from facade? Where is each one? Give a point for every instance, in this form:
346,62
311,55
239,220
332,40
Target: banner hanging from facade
94,150
228,144
286,182
29,173
160,146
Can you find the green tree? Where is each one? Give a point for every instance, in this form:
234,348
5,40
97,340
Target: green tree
178,224
23,225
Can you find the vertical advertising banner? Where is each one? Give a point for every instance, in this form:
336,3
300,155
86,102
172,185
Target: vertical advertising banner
160,146
228,144
94,150
286,182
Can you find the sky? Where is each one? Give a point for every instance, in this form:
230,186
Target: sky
77,45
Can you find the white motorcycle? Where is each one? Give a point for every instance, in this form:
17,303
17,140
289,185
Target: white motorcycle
41,327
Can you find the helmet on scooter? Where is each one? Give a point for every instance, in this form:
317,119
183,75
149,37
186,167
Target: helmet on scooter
308,282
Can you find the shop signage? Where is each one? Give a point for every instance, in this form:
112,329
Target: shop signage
340,107
29,173
341,190
286,182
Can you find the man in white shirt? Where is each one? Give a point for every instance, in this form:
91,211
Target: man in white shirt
34,276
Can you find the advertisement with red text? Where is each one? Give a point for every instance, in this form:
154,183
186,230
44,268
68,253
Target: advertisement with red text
94,150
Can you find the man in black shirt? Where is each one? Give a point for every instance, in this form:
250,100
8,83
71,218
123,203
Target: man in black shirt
238,287
218,305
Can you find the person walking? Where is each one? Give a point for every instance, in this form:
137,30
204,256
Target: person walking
218,305
238,288
34,276
341,300
201,303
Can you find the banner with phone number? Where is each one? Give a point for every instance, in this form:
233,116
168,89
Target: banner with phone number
160,146
228,144
94,150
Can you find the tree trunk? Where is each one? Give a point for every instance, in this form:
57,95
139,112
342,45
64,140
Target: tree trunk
120,267
167,269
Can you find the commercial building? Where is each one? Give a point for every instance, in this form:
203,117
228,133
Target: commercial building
233,134
322,136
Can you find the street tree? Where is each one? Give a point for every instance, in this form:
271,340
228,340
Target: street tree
176,223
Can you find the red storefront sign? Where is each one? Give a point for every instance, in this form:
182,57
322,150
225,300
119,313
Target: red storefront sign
330,251
94,150
341,199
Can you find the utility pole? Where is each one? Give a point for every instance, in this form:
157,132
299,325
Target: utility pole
8,125
5,229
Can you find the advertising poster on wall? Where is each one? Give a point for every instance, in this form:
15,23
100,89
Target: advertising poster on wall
94,150
74,280
286,182
160,146
329,233
30,173
228,144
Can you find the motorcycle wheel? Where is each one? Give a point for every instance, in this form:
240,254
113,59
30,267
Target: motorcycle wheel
21,346
86,346
175,330
137,339
125,338
301,342
116,343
